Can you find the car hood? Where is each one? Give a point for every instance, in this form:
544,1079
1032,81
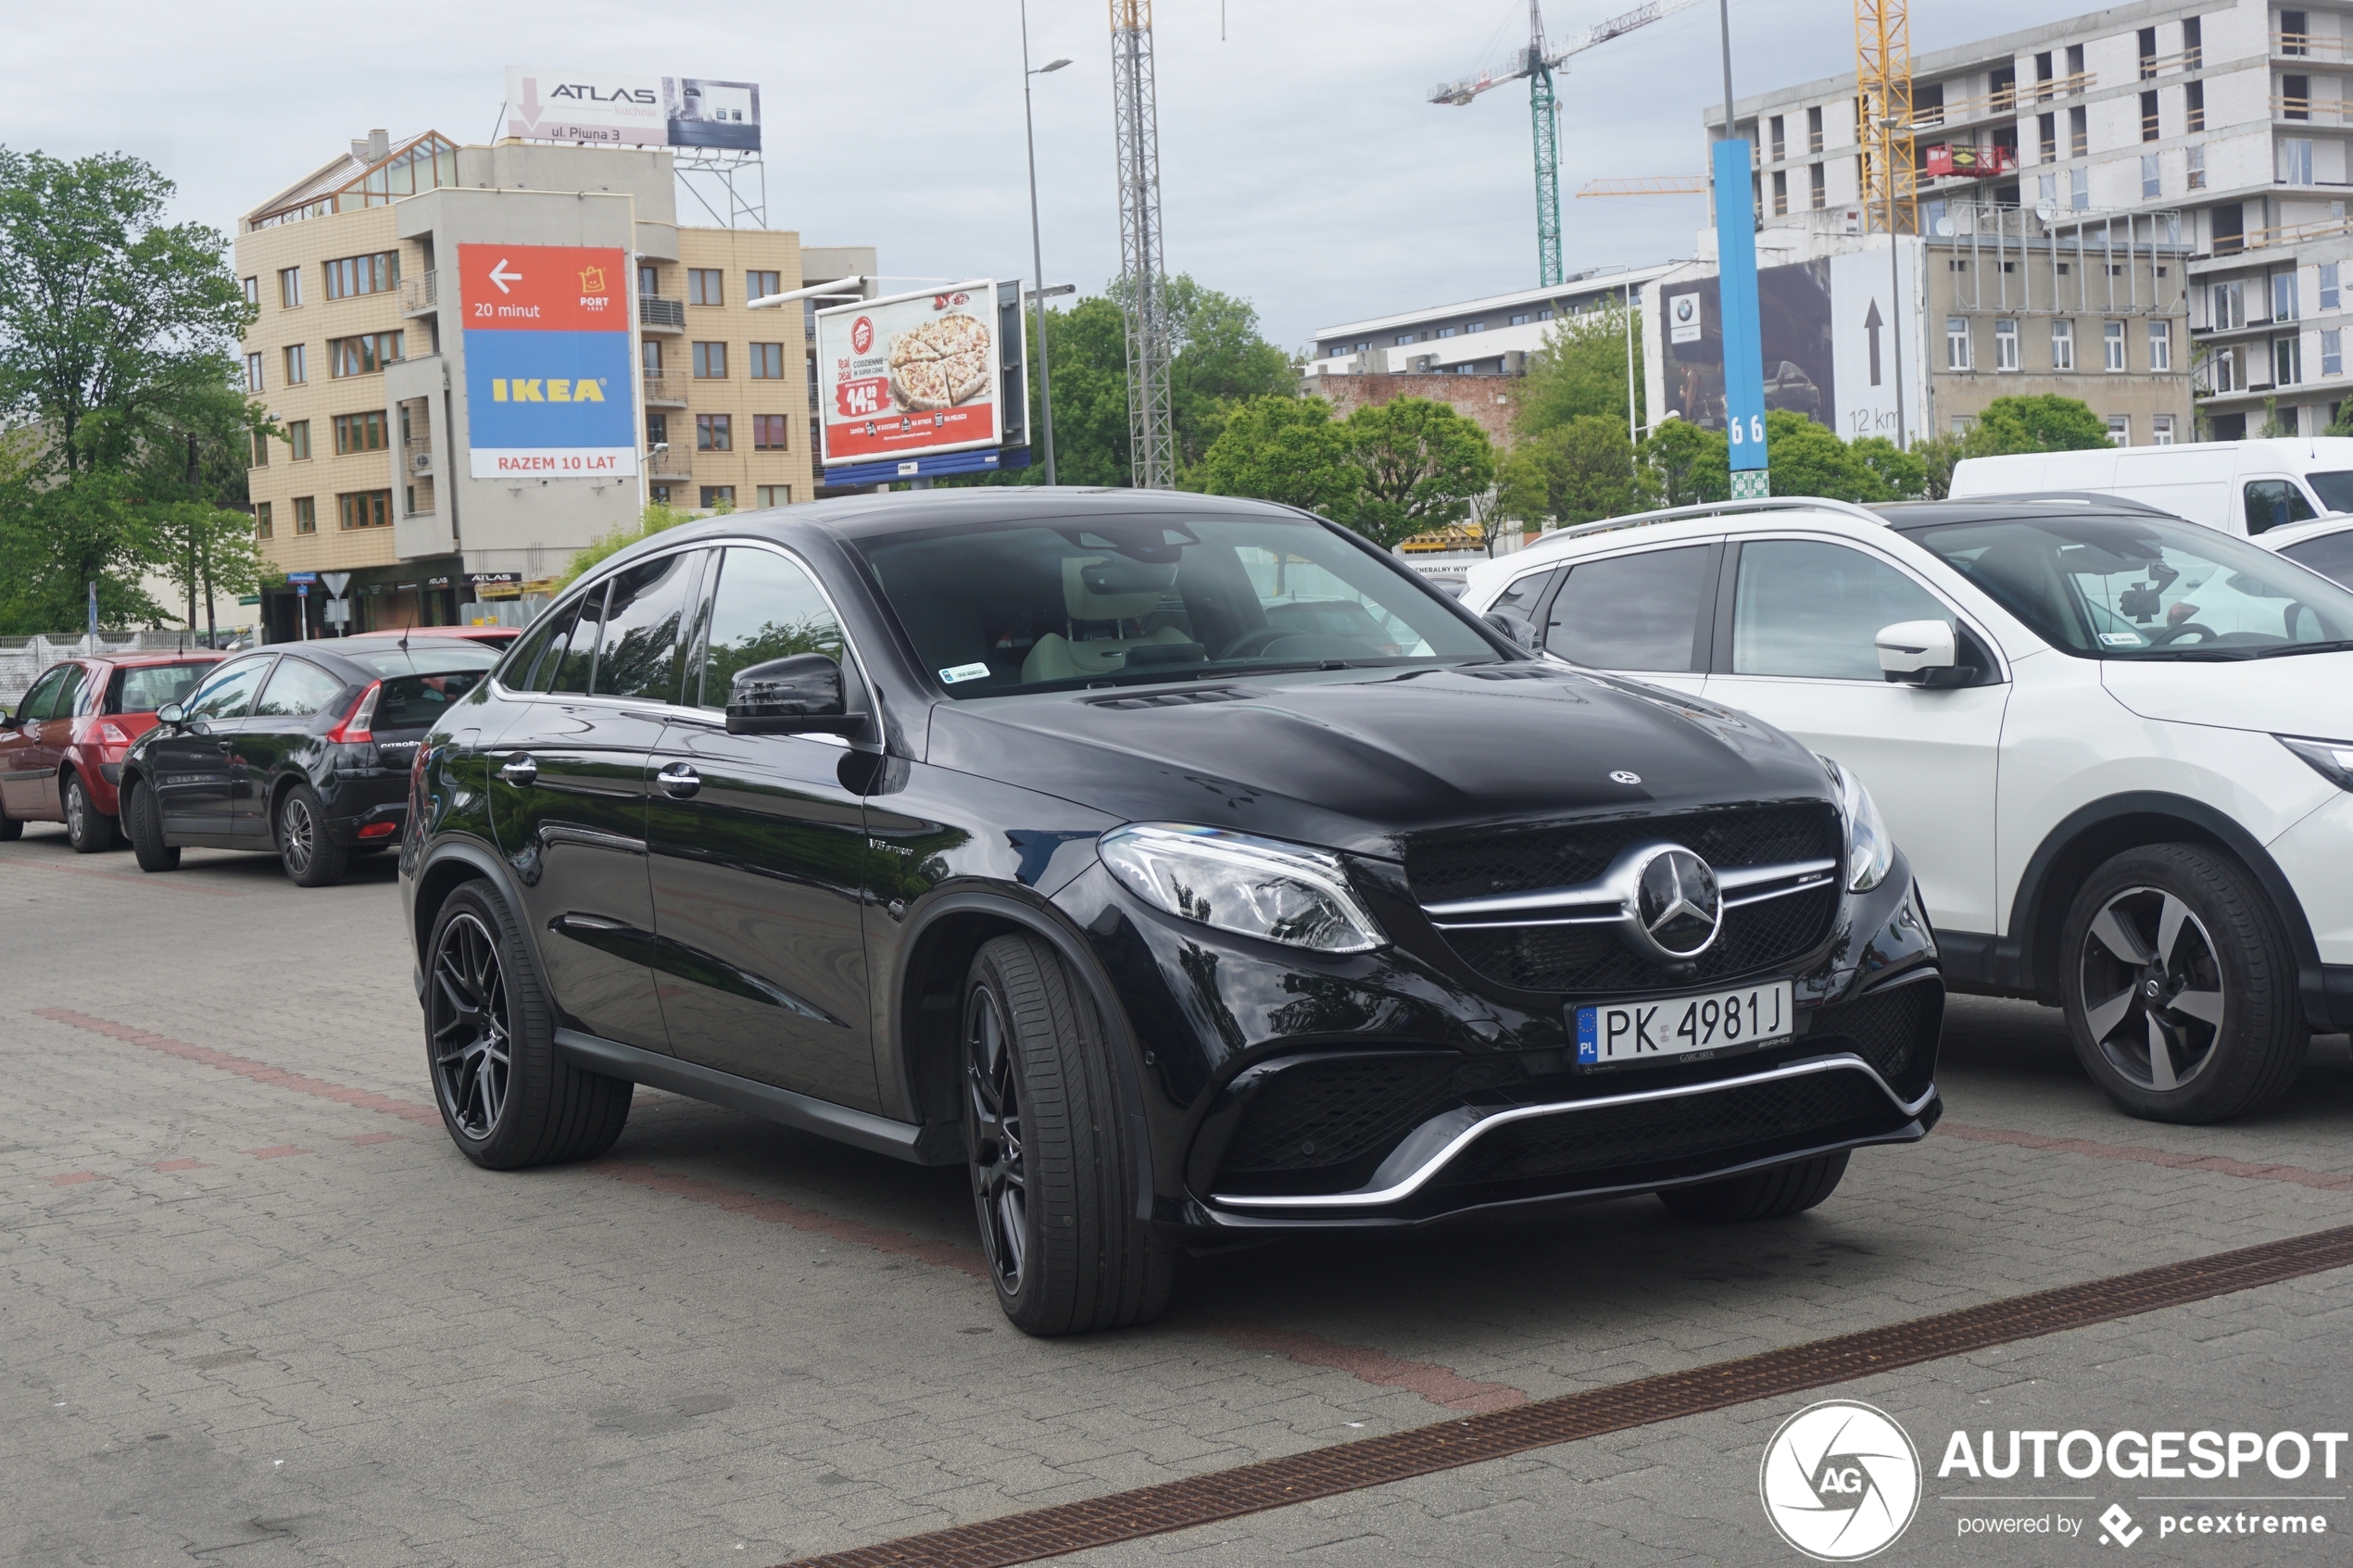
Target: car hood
2299,694
1364,760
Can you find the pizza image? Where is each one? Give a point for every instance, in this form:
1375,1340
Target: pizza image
941,363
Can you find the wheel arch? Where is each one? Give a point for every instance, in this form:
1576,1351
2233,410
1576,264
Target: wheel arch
448,867
2092,833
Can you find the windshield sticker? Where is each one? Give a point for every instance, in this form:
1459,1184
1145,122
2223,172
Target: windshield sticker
2123,639
970,673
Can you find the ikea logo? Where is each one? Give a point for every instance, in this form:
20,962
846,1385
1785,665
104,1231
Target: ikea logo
549,389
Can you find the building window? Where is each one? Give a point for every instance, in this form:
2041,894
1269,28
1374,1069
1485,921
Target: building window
649,355
1957,355
262,524
711,362
2006,345
290,286
2284,299
760,285
1520,320
2332,351
298,439
2296,97
2112,346
2079,134
365,508
2194,106
359,432
2062,345
2120,430
1813,130
1476,327
768,432
364,355
2149,53
2160,345
1779,151
2193,44
2079,189
1404,338
2152,185
253,373
648,281
767,361
1821,190
252,287
297,365
2223,370
2197,155
715,433
657,430
715,496
2286,361
1780,192
775,495
2161,431
2295,160
260,450
353,275
1445,332
703,286
306,513
2148,117
658,493
1545,314
2329,293
2046,132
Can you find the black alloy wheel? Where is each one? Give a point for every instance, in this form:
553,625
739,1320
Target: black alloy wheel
2179,985
468,1020
311,855
89,830
992,1139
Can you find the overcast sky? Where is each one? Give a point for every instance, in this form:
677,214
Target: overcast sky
1302,165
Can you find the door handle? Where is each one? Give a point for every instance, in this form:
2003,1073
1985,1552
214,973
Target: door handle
679,780
520,773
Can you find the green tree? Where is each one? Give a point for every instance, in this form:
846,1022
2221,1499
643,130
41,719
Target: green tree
1580,371
2046,423
59,534
1575,472
1938,454
1809,460
1688,464
655,519
205,550
1422,464
1904,475
1287,449
1221,363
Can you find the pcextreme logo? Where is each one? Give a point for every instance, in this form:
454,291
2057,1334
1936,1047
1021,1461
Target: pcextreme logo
546,389
1840,1481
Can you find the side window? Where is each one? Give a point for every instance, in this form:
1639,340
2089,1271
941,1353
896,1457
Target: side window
69,694
766,607
1815,609
45,691
640,653
2272,502
2331,555
532,663
1634,613
229,695
1525,594
569,670
299,689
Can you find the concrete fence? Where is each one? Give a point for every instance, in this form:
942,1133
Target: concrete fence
23,658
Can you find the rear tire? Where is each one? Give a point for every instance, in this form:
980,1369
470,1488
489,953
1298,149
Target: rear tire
1760,1195
508,1097
311,857
144,824
89,830
1051,1157
11,829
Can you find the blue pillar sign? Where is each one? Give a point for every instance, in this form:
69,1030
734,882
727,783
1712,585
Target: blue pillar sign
1736,293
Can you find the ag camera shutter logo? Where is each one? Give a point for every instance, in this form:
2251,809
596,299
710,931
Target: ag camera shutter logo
1840,1481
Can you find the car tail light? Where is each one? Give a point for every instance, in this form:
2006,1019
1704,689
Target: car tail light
111,734
353,728
378,830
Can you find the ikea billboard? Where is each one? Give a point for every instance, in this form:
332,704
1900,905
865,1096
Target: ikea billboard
550,388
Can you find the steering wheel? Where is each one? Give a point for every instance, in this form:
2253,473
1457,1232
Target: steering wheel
2174,634
1252,642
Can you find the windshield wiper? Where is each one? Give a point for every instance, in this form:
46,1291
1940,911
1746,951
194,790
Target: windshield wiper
2335,644
2190,656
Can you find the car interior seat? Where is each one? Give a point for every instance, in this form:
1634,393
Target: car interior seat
1107,601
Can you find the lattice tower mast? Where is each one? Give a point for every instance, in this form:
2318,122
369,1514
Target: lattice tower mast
1883,94
1542,113
1143,264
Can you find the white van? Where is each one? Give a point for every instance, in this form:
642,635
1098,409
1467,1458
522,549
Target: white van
2241,487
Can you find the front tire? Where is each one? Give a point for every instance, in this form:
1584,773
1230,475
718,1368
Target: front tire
1051,1156
311,855
144,822
1760,1195
2179,985
89,830
508,1097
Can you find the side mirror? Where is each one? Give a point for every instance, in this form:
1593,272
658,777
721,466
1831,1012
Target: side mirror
1922,653
797,695
1518,629
11,721
171,713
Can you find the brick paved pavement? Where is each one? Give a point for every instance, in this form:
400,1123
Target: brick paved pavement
258,1312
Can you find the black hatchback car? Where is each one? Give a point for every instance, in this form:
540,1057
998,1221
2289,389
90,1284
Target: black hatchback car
299,751
1183,867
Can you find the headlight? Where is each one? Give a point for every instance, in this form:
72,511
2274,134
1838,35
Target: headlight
1870,852
2332,760
1233,881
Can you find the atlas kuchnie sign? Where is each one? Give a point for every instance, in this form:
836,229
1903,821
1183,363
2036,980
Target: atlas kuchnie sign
549,387
619,110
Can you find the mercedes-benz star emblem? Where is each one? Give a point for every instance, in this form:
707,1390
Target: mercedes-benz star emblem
1626,776
1678,908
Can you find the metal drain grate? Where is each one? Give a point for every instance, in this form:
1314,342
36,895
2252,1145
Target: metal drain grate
1398,1456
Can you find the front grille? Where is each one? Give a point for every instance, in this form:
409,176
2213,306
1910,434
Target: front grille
1716,1126
1327,1113
1591,958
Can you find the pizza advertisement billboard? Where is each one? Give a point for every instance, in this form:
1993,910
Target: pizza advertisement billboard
911,374
551,381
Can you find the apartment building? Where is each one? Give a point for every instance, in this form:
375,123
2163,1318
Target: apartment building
359,354
2221,129
1491,336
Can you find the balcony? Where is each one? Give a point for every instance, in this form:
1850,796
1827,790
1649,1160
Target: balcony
419,296
658,315
665,391
671,464
416,455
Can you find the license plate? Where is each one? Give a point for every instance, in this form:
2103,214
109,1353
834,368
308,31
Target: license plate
1740,1018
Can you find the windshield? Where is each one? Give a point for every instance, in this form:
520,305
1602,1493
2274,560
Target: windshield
2334,488
2109,587
1032,606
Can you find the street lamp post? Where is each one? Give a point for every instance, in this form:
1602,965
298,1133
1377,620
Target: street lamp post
1037,253
1895,290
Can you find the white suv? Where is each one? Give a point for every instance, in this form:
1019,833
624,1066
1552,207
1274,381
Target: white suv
2116,747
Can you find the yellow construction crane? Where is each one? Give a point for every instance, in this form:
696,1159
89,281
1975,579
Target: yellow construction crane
1884,100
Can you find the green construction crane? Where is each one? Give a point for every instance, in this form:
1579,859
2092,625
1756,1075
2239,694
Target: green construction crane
1537,62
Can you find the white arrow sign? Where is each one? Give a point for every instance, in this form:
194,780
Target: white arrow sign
500,276
336,580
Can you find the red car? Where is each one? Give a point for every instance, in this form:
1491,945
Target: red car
61,750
